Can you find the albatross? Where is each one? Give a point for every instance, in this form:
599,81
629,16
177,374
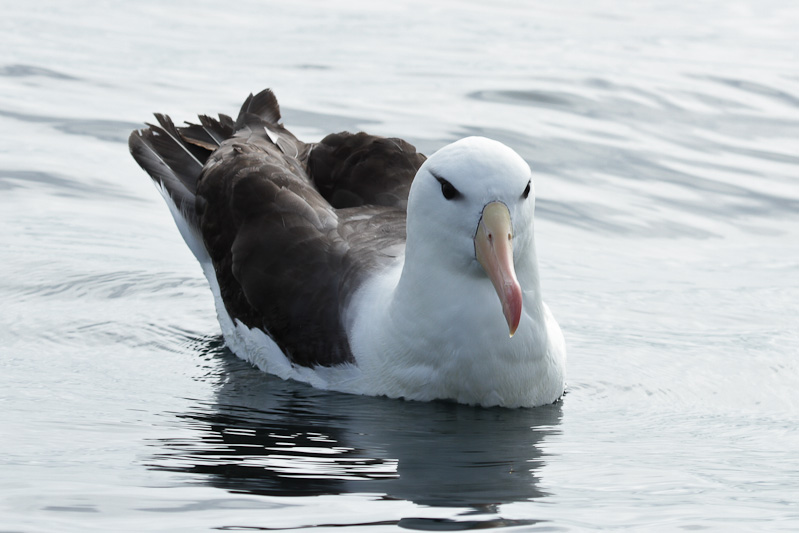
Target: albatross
357,264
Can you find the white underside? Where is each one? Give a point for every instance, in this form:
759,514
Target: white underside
455,350
388,374
470,379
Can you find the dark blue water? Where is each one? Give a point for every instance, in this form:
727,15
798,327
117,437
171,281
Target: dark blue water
664,141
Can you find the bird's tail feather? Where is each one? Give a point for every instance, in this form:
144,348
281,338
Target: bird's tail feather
174,156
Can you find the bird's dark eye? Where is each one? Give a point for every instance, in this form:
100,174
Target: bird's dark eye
447,189
526,192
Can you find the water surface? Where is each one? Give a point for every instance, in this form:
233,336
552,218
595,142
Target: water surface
664,146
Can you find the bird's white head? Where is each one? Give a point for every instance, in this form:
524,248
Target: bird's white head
471,209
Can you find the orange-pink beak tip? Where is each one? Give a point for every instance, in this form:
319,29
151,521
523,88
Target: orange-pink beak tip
512,306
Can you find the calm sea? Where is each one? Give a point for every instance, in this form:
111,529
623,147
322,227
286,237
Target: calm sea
664,141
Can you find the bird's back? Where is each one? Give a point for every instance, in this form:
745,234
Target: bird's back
292,228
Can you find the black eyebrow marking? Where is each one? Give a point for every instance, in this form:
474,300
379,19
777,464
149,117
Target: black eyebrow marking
526,192
447,189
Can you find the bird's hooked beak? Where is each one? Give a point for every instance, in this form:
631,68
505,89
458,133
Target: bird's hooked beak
493,247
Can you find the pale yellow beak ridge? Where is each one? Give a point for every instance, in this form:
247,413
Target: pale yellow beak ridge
493,246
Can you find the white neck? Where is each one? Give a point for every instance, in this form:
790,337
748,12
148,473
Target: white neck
423,331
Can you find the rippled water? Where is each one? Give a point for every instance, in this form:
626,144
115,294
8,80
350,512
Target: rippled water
664,141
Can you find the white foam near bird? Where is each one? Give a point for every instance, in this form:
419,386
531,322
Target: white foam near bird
452,308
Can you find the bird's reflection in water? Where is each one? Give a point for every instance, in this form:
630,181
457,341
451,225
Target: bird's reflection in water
266,436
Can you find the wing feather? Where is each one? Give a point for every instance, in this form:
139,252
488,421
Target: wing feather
293,229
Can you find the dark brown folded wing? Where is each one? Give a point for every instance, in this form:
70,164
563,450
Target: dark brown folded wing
286,261
293,229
